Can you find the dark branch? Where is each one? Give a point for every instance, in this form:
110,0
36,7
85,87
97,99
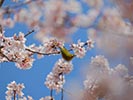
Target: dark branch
3,55
14,96
65,91
62,91
1,29
41,53
62,94
51,94
7,58
1,3
29,33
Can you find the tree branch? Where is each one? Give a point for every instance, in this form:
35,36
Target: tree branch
29,33
1,29
41,53
1,3
14,96
62,94
51,94
9,60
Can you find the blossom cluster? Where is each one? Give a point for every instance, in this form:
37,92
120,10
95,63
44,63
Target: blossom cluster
47,98
125,8
56,78
50,45
106,82
79,48
52,17
114,32
15,90
13,50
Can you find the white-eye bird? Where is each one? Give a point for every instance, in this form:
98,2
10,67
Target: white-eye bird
66,55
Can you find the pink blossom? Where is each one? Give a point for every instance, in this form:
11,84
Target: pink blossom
54,81
25,63
15,0
92,33
14,50
106,82
8,22
25,98
78,49
86,20
13,87
73,6
90,43
95,3
63,67
47,98
125,8
50,45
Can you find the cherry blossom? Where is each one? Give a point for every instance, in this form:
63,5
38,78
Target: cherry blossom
106,82
90,43
13,49
86,20
15,0
50,45
26,98
43,21
95,3
56,78
14,89
54,81
47,98
125,8
78,49
62,67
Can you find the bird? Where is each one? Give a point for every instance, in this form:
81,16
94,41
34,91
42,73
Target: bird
66,55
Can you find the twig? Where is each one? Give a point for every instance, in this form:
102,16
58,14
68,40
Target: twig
14,91
3,55
7,58
29,33
62,94
51,94
1,29
1,3
41,53
67,92
84,45
62,91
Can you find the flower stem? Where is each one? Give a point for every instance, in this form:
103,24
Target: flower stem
1,2
62,94
14,94
29,33
62,91
51,94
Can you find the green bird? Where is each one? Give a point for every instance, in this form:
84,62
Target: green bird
66,55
